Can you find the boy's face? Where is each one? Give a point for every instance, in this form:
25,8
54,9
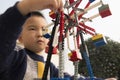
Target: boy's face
32,34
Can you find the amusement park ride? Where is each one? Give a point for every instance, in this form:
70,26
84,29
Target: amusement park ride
72,23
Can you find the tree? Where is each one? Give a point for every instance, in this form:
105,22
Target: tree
104,60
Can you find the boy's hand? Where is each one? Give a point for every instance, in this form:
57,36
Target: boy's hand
54,4
26,6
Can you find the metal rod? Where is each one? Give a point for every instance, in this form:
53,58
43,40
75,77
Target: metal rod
85,56
47,65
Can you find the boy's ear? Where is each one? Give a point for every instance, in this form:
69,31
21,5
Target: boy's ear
20,39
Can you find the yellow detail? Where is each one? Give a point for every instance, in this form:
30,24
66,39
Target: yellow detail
69,54
41,66
98,36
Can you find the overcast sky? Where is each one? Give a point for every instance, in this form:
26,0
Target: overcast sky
108,26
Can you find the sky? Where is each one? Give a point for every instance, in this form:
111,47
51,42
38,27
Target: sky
108,26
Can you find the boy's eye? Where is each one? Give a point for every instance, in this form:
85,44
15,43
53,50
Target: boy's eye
44,29
32,28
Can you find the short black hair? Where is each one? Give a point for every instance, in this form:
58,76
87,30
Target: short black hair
35,13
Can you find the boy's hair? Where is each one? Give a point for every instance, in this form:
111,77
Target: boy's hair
36,13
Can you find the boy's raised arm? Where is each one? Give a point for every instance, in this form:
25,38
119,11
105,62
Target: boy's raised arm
26,6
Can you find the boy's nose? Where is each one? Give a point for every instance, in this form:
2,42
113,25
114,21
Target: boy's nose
40,33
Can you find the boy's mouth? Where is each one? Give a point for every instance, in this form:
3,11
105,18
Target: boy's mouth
39,41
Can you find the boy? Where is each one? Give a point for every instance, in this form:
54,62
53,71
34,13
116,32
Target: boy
13,61
34,42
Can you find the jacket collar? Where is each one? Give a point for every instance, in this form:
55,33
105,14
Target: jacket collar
34,56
